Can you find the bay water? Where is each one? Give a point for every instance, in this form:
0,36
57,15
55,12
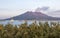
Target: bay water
18,22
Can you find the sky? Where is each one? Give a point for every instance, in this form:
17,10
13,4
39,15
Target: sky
10,8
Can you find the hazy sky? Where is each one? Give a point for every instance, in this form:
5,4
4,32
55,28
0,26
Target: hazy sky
10,8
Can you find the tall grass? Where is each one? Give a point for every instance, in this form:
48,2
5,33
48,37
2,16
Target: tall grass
31,31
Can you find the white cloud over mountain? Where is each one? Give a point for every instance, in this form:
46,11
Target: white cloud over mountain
49,11
6,13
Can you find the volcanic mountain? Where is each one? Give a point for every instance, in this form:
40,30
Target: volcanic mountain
29,15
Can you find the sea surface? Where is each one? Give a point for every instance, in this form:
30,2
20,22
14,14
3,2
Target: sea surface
18,22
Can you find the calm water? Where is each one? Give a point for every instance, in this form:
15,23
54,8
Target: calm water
15,22
18,22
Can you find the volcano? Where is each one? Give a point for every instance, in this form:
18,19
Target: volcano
36,15
29,15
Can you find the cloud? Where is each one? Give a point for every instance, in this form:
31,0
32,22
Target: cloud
44,8
49,11
54,13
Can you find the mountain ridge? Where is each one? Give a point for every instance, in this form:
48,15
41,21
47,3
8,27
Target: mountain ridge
29,15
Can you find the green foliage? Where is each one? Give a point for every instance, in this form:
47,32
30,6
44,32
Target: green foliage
43,30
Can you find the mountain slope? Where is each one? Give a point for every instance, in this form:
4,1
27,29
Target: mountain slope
29,15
